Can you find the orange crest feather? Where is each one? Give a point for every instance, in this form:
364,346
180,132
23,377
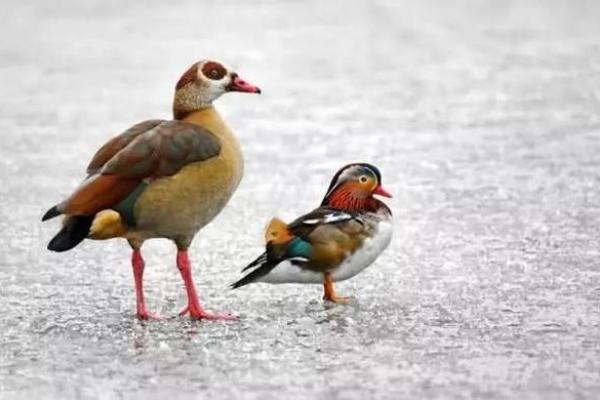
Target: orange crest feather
277,232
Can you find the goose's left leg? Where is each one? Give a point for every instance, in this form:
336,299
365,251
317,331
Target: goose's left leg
194,308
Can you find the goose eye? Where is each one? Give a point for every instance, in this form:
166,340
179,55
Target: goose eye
363,179
213,71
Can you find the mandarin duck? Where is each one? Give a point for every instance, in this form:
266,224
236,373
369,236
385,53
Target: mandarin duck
161,179
331,243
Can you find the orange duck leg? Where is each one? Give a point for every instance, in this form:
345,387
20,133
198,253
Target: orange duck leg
330,294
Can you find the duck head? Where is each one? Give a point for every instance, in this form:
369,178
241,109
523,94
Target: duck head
203,83
353,187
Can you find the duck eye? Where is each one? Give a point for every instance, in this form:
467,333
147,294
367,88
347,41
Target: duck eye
363,179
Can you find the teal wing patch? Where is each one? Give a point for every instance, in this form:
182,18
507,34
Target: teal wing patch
126,207
299,248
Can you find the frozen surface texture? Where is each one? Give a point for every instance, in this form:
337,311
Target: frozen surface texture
483,116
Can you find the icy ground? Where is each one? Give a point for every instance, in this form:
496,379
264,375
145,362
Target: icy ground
483,116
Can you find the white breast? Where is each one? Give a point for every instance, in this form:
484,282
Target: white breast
367,254
286,272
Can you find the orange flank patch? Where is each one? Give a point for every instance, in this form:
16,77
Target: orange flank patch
98,193
277,232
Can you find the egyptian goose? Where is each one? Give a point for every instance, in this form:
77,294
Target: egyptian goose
331,243
161,179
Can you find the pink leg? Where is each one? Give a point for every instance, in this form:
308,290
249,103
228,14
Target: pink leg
138,275
194,308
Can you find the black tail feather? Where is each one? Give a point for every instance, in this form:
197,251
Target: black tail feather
51,213
262,267
258,261
75,229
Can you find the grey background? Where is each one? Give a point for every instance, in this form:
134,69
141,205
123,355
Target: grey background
483,116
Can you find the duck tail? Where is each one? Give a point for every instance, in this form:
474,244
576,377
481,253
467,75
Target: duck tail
261,266
74,230
277,237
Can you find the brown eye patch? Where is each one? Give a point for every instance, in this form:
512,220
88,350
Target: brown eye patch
213,70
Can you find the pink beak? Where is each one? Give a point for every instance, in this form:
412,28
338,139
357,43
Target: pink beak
382,192
239,85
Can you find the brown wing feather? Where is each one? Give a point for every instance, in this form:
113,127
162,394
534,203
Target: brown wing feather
163,151
116,144
332,235
332,243
98,193
304,225
158,152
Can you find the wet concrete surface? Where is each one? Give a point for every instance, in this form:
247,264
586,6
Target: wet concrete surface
483,117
